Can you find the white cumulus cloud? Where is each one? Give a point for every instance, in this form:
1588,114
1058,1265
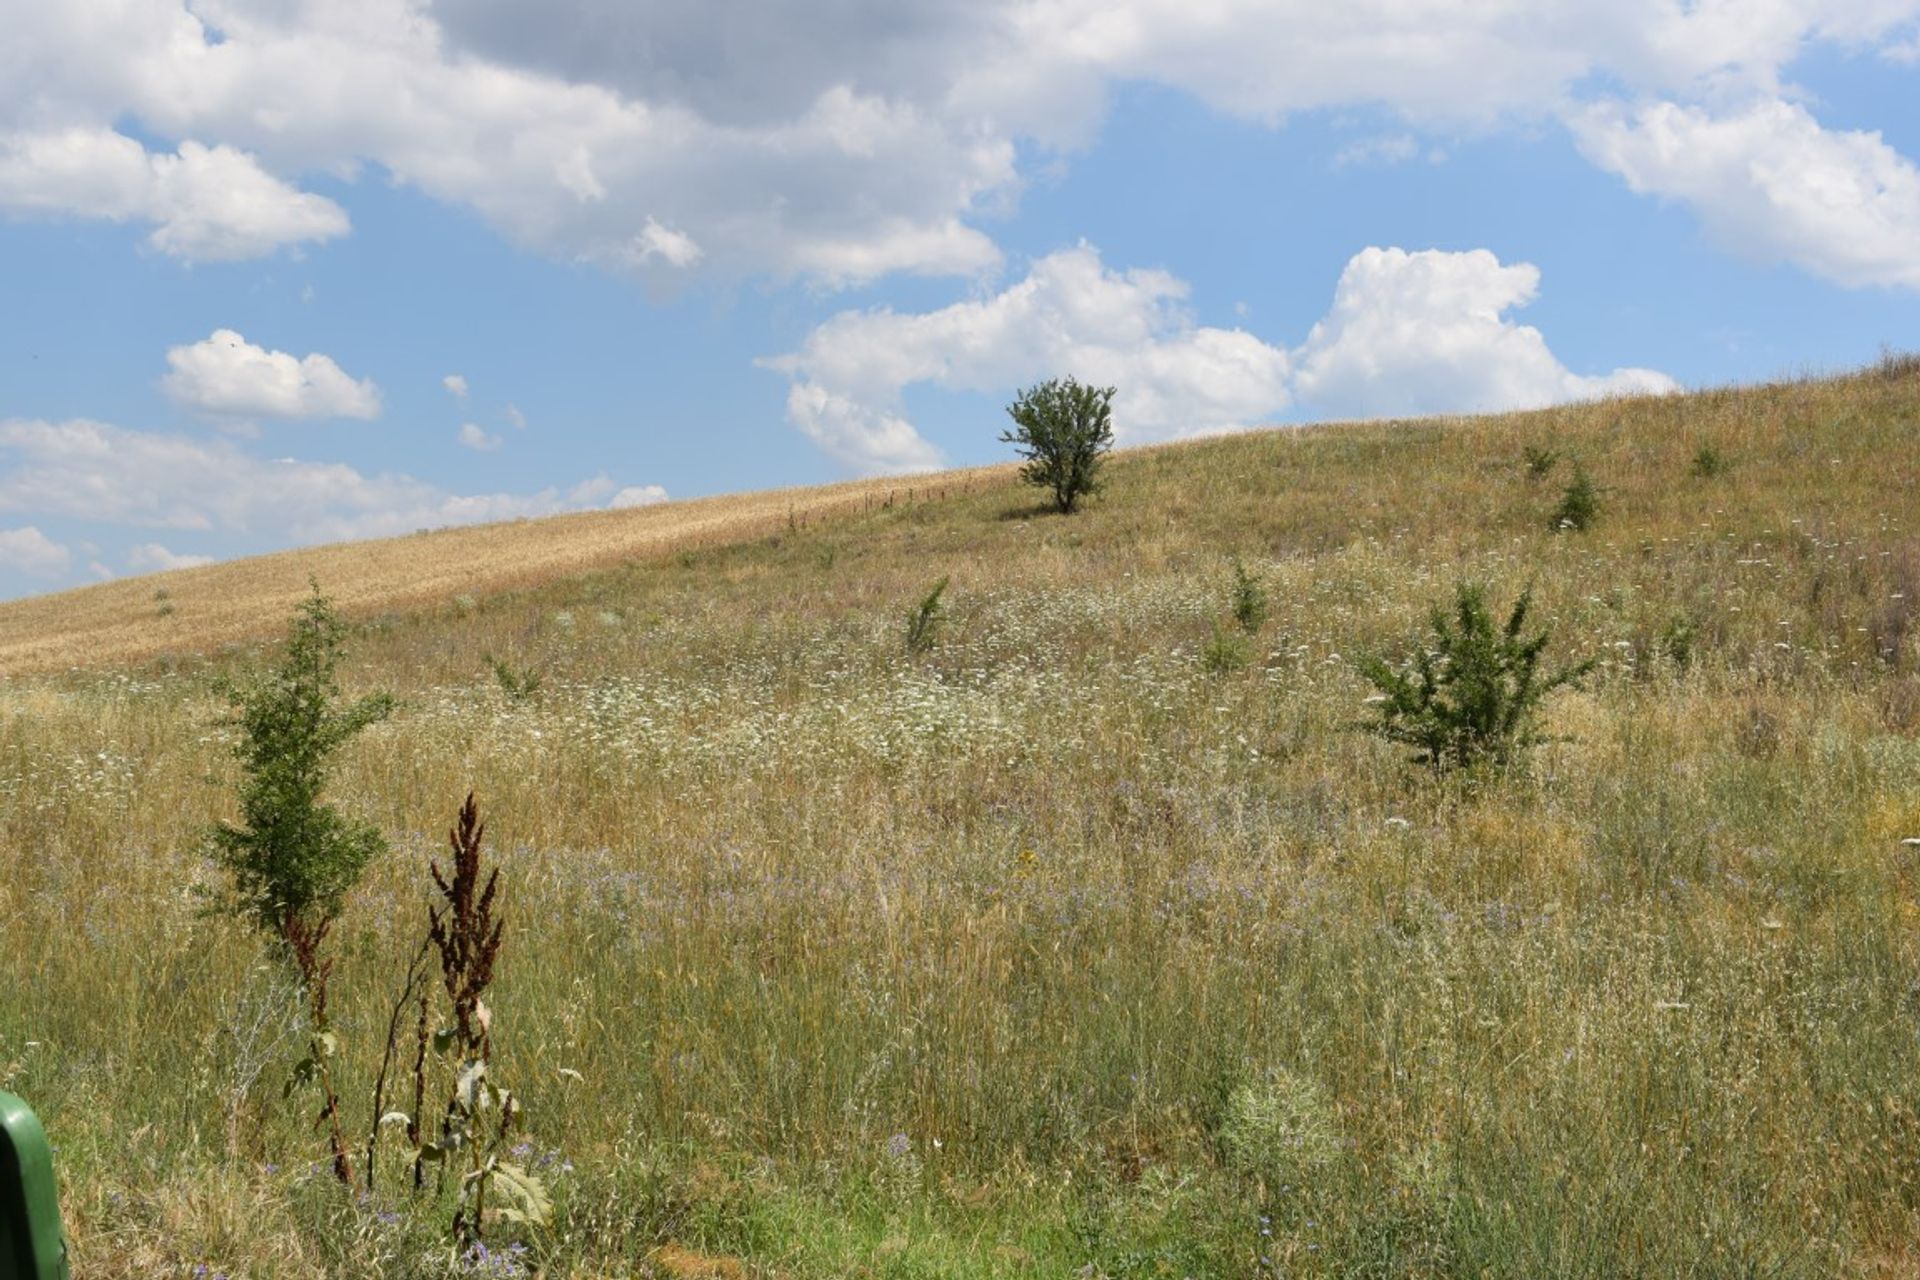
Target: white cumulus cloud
638,495
158,480
456,385
1769,182
1071,315
480,441
653,241
1419,333
837,142
207,203
151,557
1408,333
32,552
226,374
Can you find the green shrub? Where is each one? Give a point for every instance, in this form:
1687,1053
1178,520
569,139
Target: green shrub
1579,503
1469,697
293,858
1064,430
1539,461
1708,462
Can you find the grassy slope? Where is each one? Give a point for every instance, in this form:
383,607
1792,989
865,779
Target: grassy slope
130,620
1180,974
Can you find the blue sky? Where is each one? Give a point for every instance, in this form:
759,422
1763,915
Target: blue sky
697,246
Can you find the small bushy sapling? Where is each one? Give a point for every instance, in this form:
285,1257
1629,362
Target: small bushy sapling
1579,504
1249,599
292,858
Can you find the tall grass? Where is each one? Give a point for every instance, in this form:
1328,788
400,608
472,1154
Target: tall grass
1053,950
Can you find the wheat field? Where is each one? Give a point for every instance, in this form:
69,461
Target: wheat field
1059,950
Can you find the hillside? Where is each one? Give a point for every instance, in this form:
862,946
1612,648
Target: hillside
241,600
1091,942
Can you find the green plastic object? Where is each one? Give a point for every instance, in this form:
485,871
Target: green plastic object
32,1246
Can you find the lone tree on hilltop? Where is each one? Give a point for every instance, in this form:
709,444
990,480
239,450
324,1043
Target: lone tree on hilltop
1064,430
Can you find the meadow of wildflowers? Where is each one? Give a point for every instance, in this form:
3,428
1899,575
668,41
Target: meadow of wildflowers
1054,949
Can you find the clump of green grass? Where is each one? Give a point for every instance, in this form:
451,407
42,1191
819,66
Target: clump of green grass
1279,1129
1225,651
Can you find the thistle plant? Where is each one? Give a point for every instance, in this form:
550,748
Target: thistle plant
292,858
518,683
1470,696
923,622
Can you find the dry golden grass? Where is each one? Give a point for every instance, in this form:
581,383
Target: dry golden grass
128,620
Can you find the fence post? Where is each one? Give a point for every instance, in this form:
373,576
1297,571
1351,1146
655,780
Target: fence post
32,1246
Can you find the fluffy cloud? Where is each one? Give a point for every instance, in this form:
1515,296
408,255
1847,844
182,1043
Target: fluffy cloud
1408,333
97,472
151,557
1418,333
226,374
456,386
207,204
838,142
32,552
653,241
1041,68
1070,315
1770,183
553,159
638,495
480,441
